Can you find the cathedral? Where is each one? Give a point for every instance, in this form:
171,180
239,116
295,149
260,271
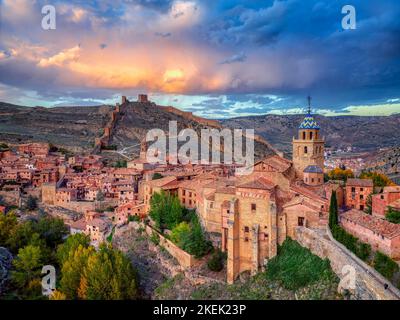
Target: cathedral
255,214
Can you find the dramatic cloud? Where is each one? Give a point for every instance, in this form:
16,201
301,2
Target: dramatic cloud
229,58
241,57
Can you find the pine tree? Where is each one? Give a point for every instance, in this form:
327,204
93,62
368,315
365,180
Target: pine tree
333,211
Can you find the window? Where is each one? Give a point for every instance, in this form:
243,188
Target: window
305,149
382,197
246,239
246,229
184,192
361,197
300,221
304,135
353,189
253,207
312,179
311,135
190,202
361,207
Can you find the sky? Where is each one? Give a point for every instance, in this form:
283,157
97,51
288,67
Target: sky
218,59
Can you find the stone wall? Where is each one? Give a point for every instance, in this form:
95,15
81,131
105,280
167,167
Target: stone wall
369,284
10,197
190,116
184,259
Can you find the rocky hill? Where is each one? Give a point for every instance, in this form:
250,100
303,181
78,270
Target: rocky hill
76,128
386,161
363,133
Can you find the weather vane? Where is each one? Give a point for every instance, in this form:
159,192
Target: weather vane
309,104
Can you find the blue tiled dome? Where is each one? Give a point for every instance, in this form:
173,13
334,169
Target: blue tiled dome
313,169
309,123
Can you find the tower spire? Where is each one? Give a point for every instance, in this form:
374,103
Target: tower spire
309,104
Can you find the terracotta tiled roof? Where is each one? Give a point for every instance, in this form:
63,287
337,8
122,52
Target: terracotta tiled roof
258,183
195,184
380,226
277,162
79,224
360,182
391,189
226,190
161,182
303,190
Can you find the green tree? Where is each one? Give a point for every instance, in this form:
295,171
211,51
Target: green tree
31,203
52,230
166,210
385,265
7,223
108,275
393,216
180,233
121,164
72,270
20,235
157,176
216,262
379,179
340,174
27,264
333,211
368,204
195,243
70,245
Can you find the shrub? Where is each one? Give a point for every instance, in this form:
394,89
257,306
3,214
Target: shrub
133,218
296,267
385,265
156,176
393,216
340,174
31,203
216,262
360,249
180,233
379,179
155,238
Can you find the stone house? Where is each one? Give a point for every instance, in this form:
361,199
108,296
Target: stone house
379,233
357,192
388,198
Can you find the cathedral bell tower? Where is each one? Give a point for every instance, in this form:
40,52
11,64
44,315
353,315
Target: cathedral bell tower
308,147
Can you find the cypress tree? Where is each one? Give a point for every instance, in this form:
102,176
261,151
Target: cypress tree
333,211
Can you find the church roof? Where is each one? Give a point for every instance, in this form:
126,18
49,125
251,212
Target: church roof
313,169
309,122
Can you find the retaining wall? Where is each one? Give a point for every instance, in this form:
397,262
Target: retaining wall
369,284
